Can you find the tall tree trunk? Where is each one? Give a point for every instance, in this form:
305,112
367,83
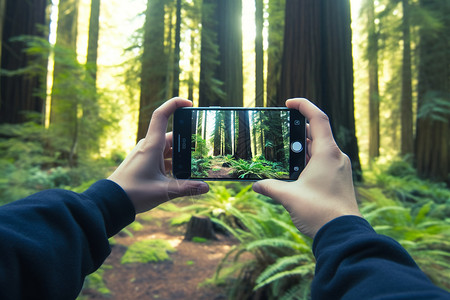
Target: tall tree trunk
210,87
230,51
432,147
317,64
406,98
18,92
153,65
259,54
91,112
64,102
176,52
92,51
275,51
374,93
191,71
2,21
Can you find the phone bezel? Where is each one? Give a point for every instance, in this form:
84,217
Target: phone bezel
181,144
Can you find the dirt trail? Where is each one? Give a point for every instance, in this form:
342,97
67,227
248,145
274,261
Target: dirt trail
191,265
217,169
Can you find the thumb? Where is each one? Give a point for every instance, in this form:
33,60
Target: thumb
275,189
180,188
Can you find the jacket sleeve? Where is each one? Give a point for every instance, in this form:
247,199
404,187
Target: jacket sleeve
51,240
354,262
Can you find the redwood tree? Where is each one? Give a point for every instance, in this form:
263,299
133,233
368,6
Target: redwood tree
154,65
432,147
317,64
18,90
230,50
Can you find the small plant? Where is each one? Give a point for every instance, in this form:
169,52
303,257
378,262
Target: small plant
95,281
148,251
282,266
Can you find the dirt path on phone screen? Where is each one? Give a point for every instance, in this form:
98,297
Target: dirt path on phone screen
191,264
217,169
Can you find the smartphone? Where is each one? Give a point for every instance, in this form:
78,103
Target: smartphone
234,143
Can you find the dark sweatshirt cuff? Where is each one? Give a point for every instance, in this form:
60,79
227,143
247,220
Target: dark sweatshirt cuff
339,230
113,202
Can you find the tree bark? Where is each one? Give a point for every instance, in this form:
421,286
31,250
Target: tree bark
200,226
154,64
406,98
275,51
176,52
18,92
374,93
259,54
317,64
243,147
230,51
210,86
432,147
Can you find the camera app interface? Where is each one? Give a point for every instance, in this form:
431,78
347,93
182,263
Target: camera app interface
244,144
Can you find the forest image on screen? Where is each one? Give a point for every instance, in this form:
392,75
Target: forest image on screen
244,144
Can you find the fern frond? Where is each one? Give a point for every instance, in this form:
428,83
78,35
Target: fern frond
282,264
299,271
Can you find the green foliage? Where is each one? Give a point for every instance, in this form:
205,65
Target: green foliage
28,165
282,259
148,251
224,202
258,168
201,150
414,212
95,281
200,167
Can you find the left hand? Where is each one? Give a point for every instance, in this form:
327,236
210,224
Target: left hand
143,173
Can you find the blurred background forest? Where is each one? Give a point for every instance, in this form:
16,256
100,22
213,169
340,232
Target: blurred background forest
81,78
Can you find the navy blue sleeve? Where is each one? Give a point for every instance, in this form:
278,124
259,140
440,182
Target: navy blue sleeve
354,262
51,240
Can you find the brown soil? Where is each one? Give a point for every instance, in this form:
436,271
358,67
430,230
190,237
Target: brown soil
219,171
179,278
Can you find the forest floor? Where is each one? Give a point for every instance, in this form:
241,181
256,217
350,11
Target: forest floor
179,278
218,170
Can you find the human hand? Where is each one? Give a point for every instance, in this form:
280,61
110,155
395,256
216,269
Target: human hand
142,174
324,190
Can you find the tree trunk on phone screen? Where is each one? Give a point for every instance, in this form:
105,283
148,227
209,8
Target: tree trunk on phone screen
406,98
228,133
243,147
374,94
154,64
18,93
432,149
217,133
317,64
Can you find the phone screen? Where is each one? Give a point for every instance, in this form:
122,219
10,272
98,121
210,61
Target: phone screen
238,143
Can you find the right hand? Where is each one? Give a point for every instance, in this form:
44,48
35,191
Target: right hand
324,190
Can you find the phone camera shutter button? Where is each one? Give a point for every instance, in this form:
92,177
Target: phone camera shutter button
296,147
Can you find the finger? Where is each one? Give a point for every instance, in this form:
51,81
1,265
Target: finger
180,188
158,123
308,131
168,147
319,123
168,166
272,188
